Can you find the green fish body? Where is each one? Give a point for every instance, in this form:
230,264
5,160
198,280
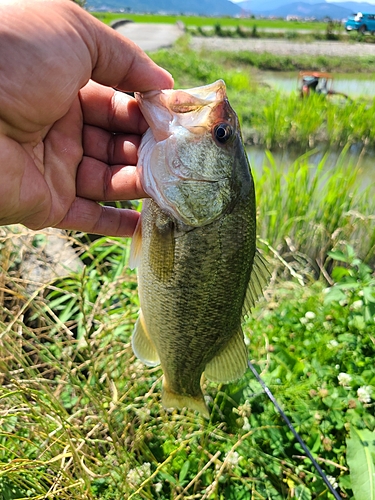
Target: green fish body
195,246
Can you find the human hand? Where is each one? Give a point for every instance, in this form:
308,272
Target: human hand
68,139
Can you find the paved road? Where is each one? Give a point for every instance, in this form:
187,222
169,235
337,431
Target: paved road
151,36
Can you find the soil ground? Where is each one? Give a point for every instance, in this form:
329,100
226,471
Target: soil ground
284,47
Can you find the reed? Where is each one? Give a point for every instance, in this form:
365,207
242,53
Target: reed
307,210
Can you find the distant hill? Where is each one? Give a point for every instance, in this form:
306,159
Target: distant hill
200,7
312,8
358,6
278,8
319,10
269,5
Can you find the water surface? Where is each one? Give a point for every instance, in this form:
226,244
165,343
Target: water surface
285,158
354,85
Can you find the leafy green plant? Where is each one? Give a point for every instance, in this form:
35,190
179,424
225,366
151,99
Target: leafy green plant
361,460
355,284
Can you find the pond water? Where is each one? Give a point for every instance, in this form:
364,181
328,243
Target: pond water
354,85
284,160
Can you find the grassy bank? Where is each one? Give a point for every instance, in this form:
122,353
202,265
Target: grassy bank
81,417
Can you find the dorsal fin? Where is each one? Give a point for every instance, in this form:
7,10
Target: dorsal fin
259,278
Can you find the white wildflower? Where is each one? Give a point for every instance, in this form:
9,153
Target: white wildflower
309,327
344,379
158,487
357,304
310,315
233,458
246,424
245,409
327,325
364,394
333,481
332,344
137,475
304,320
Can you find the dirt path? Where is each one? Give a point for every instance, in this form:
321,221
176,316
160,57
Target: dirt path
284,47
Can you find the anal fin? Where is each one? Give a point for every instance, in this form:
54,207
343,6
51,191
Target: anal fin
231,363
143,346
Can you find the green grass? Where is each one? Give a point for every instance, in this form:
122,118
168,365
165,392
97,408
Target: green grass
246,60
81,417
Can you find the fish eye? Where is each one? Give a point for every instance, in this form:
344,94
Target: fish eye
223,132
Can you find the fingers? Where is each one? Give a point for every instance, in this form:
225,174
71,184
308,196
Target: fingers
90,217
110,148
101,182
107,171
111,110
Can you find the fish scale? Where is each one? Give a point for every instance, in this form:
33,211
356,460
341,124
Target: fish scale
195,244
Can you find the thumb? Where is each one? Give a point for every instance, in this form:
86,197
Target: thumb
119,62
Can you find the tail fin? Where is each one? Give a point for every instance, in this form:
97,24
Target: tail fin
170,399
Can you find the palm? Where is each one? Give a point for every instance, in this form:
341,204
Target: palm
65,145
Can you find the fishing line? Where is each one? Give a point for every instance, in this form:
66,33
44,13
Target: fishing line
295,433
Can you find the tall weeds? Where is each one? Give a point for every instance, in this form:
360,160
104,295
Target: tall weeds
306,211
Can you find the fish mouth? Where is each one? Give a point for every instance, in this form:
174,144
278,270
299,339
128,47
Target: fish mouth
164,109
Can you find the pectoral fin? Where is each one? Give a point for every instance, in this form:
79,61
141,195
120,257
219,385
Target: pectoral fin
136,245
142,345
162,247
231,363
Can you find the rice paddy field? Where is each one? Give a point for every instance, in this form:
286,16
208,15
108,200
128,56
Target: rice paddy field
81,418
196,21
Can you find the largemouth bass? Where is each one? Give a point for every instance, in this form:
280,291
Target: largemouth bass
195,245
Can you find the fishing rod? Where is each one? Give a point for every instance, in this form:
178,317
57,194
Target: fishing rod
295,433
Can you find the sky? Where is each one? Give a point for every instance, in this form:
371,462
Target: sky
372,2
